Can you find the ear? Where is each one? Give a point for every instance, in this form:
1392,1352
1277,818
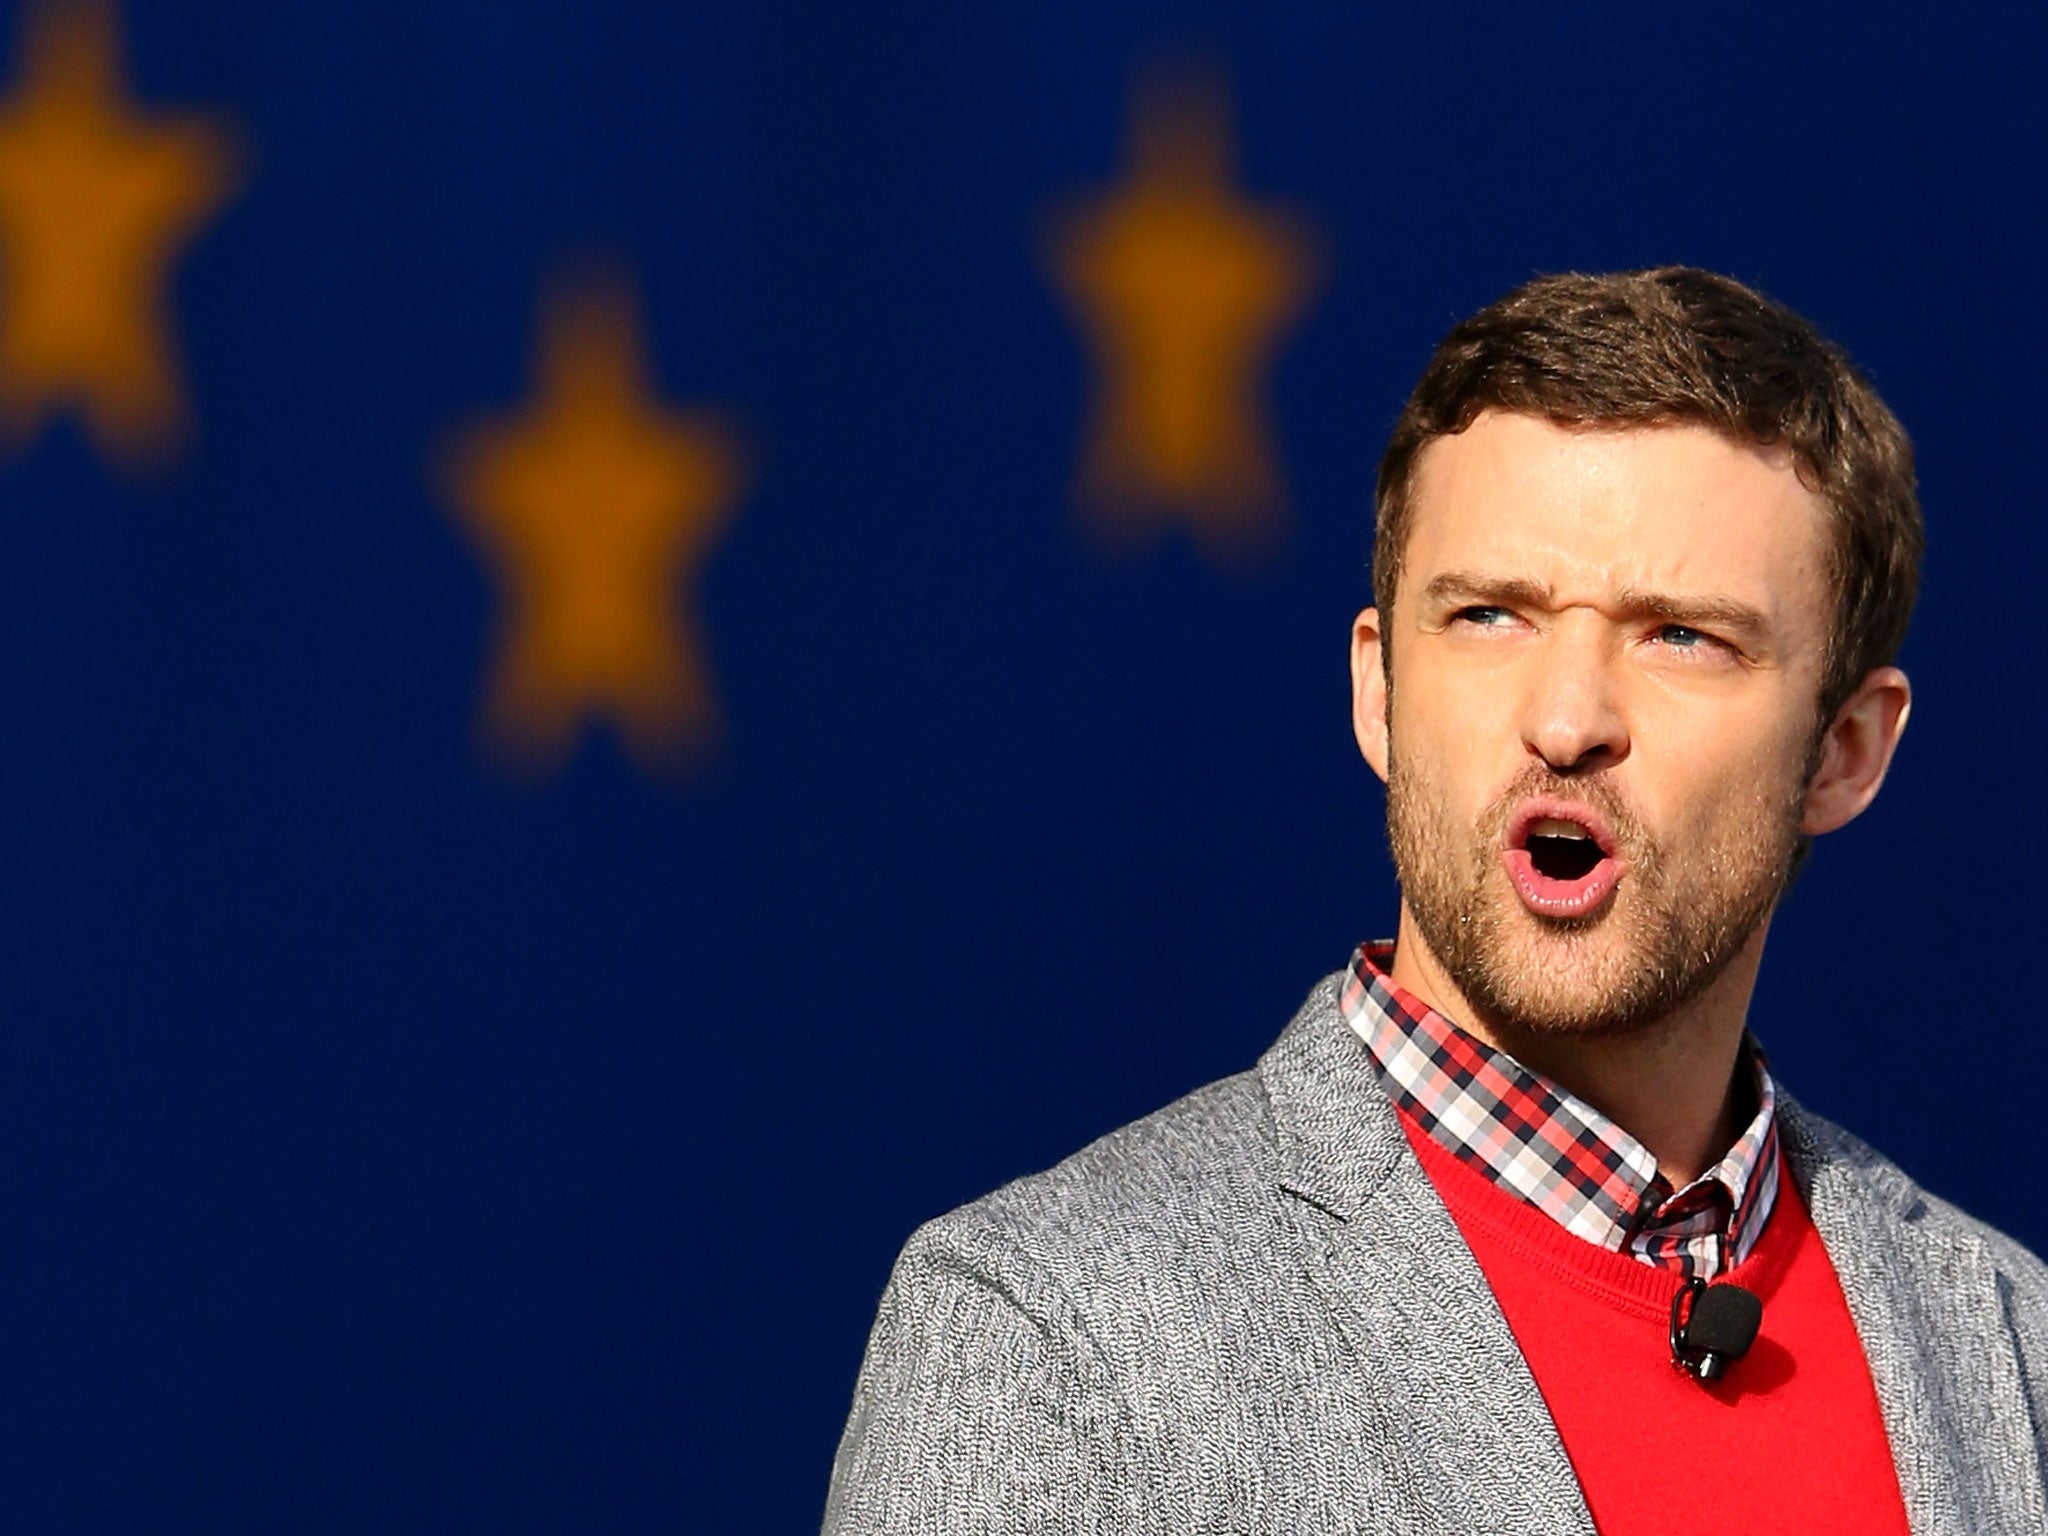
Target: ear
1857,750
1369,690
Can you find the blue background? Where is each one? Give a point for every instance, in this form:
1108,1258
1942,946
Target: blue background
394,1144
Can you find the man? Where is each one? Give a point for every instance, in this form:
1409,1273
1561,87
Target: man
1458,1254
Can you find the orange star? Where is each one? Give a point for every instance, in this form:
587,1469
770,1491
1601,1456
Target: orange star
1185,291
94,200
593,504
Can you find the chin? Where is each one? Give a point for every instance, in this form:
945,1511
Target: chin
1581,1014
1578,976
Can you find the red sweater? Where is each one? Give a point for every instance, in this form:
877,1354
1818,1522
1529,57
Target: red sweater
1789,1440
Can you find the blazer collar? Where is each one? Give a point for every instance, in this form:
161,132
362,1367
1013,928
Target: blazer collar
1338,1137
1930,1307
1442,1371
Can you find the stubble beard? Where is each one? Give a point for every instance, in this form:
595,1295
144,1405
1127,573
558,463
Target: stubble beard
1671,927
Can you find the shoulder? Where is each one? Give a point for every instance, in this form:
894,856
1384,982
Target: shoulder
1016,1354
1070,1344
1032,1329
1178,1220
1185,1185
1819,1148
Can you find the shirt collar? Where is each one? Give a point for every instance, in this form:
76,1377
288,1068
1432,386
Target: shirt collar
1550,1148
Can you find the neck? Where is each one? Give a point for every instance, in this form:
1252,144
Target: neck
1669,1083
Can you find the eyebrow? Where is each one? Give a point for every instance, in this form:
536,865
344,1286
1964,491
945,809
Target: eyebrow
1721,613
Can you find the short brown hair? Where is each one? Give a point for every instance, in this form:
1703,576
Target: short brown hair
1679,345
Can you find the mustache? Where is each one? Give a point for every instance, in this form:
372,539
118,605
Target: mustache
1594,792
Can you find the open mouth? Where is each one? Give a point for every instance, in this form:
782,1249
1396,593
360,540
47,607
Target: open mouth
1561,859
1564,855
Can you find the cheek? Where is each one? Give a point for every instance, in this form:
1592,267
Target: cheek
1445,714
1415,735
1447,777
1737,797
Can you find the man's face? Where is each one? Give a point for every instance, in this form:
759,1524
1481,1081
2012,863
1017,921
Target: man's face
1606,657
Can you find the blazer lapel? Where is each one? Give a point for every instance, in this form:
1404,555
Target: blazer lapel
1934,1330
1455,1396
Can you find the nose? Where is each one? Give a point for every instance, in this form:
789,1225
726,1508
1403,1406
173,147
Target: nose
1572,717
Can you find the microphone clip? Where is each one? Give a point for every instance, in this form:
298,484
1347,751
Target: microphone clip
1712,1326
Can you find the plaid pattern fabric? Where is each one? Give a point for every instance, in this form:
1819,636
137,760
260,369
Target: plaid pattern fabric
1547,1146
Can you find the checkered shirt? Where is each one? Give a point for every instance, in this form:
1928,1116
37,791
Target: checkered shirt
1551,1148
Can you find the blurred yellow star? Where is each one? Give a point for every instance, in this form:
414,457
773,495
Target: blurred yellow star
595,505
95,198
1185,291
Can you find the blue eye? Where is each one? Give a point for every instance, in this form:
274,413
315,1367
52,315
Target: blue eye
1485,616
1684,640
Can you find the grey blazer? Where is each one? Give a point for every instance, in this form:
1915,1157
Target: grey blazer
1251,1312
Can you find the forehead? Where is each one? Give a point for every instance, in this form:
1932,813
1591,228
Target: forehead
1677,509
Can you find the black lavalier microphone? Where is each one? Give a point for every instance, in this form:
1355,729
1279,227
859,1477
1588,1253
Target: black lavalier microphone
1712,1325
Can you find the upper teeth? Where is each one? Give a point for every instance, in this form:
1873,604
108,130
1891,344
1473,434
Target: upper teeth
1552,826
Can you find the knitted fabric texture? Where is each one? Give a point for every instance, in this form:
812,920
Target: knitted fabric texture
1250,1311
